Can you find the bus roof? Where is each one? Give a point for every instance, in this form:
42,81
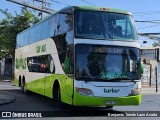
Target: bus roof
91,8
96,8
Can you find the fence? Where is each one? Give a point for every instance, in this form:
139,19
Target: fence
151,77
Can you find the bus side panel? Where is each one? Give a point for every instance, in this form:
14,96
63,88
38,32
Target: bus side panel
66,87
69,90
49,85
31,86
40,86
16,81
44,86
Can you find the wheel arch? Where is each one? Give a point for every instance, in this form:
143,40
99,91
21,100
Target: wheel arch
56,84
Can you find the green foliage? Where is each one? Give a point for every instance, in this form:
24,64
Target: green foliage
10,27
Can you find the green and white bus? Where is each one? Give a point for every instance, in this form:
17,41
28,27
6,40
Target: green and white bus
68,57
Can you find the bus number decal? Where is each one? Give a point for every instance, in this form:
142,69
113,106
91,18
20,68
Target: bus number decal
40,49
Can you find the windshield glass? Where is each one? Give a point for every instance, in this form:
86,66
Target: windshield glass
104,25
107,62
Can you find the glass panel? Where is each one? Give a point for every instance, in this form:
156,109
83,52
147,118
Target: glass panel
107,62
45,30
31,35
104,25
25,38
37,32
52,26
19,40
65,23
42,64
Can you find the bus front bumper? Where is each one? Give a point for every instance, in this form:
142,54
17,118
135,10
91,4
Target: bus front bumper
80,100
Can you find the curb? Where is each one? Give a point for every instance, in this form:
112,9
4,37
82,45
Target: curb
6,98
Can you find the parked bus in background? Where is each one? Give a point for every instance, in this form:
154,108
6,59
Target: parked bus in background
82,56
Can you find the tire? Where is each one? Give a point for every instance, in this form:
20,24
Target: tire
57,95
109,107
24,88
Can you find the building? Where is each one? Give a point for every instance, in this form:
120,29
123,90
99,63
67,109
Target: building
2,66
6,66
151,61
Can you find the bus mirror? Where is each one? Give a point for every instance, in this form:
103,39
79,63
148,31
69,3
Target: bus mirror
67,66
141,68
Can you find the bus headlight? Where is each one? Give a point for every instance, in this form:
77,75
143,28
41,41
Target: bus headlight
135,91
84,91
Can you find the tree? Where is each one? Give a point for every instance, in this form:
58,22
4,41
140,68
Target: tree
10,27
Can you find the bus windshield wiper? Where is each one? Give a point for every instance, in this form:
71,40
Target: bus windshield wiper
86,78
122,78
90,78
103,79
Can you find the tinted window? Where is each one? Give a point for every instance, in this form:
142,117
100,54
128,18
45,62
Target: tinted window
53,25
31,35
37,32
107,62
104,25
45,29
42,64
65,23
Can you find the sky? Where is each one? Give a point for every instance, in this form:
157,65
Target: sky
142,10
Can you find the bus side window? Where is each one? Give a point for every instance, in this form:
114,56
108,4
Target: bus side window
41,64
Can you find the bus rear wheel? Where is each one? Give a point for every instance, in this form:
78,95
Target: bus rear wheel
24,87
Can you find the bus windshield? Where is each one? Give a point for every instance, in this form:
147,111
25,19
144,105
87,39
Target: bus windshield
107,62
104,25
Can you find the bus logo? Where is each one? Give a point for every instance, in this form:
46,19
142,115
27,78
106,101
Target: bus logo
111,90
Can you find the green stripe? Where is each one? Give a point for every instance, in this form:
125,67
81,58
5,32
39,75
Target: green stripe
44,86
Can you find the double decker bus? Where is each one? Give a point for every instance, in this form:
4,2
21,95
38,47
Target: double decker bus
81,56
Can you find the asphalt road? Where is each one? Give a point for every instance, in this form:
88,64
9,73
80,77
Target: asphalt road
46,106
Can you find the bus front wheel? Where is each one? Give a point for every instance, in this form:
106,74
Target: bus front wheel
57,95
109,107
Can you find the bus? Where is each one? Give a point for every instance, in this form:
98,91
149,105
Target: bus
68,57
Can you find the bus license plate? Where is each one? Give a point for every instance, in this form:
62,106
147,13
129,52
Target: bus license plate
111,102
